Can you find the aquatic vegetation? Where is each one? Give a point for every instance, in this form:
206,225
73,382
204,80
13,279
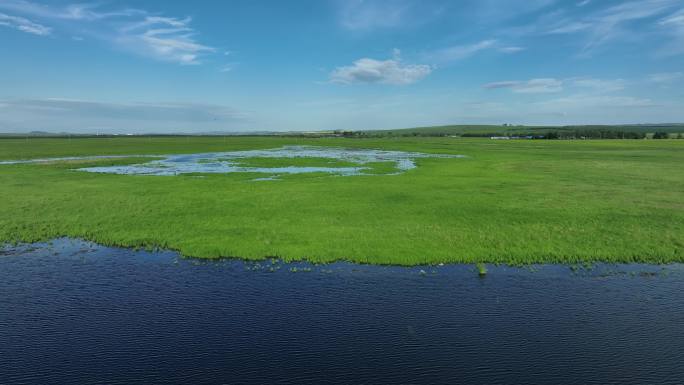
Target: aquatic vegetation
481,269
296,269
517,203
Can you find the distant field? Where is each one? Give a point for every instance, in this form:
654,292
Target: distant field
484,130
508,201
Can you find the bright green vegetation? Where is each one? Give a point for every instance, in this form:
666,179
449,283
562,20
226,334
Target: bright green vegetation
481,269
509,202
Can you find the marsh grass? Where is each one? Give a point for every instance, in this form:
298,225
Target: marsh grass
513,202
481,269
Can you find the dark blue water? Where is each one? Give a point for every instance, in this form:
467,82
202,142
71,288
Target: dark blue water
75,312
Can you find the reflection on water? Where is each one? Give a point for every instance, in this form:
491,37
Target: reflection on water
74,312
230,162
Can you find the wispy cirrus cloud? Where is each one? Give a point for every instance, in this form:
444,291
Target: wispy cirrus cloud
580,102
85,115
390,71
368,15
613,23
394,71
666,77
598,85
24,25
459,52
88,12
553,85
673,25
139,31
138,110
532,86
511,49
165,38
497,11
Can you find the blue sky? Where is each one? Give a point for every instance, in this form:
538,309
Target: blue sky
162,66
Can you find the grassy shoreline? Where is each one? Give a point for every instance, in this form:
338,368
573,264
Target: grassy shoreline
513,202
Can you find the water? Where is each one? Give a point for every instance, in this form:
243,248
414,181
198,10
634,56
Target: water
75,312
72,158
229,162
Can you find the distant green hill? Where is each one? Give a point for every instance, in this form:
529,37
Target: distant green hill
510,130
672,130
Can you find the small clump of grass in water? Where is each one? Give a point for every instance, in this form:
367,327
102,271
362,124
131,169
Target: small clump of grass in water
300,270
481,269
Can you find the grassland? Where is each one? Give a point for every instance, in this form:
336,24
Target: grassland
509,202
486,130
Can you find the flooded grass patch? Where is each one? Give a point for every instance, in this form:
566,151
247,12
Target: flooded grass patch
294,161
279,161
514,203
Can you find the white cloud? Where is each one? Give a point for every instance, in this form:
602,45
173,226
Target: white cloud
88,12
503,84
609,24
170,111
58,114
676,19
369,15
584,101
390,71
511,49
24,25
497,12
226,68
532,86
673,25
570,27
366,15
666,77
163,38
552,85
460,52
583,3
600,85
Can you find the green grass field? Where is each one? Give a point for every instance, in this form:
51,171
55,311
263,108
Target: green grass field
510,201
485,130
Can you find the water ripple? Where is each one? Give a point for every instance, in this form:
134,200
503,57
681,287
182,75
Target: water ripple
75,312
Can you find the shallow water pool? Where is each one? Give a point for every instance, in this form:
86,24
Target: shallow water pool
76,312
362,161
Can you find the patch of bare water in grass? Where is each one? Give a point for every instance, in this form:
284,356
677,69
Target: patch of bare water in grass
230,162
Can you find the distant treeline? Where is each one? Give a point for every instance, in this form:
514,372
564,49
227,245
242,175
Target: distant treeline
580,134
592,133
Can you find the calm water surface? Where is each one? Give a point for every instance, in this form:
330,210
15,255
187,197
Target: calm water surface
75,312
